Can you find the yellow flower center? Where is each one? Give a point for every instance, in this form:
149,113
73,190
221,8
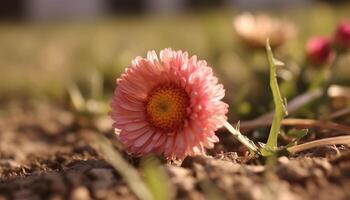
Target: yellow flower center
166,107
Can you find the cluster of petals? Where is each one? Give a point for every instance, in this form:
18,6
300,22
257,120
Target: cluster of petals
319,50
142,127
255,29
342,36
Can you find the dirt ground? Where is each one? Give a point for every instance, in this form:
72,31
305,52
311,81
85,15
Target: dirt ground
44,155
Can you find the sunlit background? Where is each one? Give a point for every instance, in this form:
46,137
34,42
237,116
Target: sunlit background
45,45
59,61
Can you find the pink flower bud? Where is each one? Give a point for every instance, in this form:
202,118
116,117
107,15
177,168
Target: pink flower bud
342,36
318,50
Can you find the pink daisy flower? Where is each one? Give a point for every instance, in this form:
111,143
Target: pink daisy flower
169,105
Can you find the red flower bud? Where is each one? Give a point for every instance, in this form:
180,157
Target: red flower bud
342,36
319,50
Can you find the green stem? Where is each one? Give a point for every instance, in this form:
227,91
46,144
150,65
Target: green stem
240,137
320,79
280,110
330,79
325,75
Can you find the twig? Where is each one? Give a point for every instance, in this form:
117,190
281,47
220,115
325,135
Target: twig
292,106
339,113
318,143
303,123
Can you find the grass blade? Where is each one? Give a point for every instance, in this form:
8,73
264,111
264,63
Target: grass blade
156,179
128,172
76,97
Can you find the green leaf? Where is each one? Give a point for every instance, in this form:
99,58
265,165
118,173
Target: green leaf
242,138
297,133
280,106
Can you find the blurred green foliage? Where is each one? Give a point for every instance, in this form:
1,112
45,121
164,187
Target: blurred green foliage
38,60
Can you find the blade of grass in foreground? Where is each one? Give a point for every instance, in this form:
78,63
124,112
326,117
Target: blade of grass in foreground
280,108
156,179
128,172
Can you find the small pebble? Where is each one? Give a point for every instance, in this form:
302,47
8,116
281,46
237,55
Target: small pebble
80,193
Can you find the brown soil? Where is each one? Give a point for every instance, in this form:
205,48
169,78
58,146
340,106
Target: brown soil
43,155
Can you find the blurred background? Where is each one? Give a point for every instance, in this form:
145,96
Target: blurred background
46,45
59,61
